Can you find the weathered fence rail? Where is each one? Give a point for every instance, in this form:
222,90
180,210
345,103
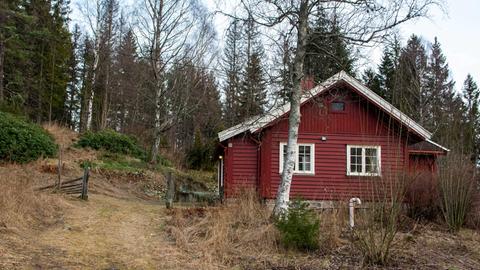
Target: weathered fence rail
73,186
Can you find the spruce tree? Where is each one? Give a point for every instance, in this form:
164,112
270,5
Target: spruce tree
387,68
327,52
408,94
232,64
471,95
439,94
284,71
125,85
371,80
253,92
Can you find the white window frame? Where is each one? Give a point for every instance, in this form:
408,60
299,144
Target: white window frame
296,171
363,173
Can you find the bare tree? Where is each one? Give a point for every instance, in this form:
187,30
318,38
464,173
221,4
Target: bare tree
361,22
170,31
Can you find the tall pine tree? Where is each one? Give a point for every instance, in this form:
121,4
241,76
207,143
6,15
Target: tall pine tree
232,64
327,52
408,94
253,92
471,95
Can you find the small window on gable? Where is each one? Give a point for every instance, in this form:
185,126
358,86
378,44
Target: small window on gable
337,106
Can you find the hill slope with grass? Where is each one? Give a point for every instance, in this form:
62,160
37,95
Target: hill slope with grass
124,224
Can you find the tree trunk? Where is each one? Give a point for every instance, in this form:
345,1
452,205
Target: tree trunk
283,193
2,57
157,131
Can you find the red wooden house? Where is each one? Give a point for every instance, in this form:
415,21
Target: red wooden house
347,135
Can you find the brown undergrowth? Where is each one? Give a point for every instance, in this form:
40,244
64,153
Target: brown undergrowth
222,233
242,233
20,206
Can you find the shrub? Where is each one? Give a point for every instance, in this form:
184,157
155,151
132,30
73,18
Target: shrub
22,142
377,226
111,141
299,227
457,184
199,156
422,197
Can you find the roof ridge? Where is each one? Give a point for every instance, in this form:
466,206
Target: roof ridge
258,122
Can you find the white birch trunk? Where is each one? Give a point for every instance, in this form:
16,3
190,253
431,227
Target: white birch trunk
283,193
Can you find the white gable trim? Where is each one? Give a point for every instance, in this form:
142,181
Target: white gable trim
256,123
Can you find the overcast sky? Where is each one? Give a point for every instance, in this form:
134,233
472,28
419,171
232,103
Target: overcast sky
458,31
459,34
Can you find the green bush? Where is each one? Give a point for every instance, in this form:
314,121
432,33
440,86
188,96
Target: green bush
299,227
199,156
111,141
22,142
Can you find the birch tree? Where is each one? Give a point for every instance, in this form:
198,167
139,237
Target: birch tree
171,30
360,22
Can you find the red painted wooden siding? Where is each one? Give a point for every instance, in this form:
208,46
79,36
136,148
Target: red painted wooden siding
360,124
241,170
252,164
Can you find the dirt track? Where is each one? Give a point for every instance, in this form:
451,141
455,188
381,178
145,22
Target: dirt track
103,233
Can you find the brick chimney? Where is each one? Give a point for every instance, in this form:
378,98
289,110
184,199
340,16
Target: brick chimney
308,82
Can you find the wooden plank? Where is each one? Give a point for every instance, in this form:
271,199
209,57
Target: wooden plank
53,185
84,192
71,188
72,185
74,192
170,191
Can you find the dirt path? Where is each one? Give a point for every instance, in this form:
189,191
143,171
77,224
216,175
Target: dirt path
103,233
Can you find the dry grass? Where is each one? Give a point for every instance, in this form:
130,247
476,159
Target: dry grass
63,136
240,228
241,234
20,206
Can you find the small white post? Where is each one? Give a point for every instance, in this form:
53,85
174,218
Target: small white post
351,209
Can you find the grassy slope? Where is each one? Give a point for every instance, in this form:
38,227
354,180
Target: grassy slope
123,225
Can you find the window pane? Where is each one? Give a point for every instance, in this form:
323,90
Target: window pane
304,157
371,160
337,106
372,152
356,160
307,167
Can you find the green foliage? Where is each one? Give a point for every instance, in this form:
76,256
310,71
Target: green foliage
299,227
113,142
22,142
199,155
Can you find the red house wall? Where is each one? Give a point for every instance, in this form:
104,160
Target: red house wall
255,164
360,124
241,165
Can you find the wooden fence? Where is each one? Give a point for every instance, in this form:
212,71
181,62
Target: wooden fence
73,186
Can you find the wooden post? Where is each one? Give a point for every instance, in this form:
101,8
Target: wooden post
170,194
59,181
86,175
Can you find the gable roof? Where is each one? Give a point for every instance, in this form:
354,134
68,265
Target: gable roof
258,122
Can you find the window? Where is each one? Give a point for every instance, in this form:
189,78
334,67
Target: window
363,160
337,106
304,161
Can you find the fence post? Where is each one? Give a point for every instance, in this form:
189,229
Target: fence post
86,175
59,181
170,191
